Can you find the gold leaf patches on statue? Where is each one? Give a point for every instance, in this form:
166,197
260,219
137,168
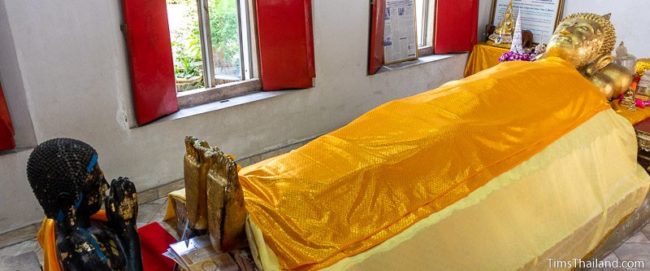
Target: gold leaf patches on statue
216,198
212,189
225,202
195,170
127,207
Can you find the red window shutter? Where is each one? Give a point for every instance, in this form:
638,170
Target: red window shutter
285,44
6,128
455,26
376,47
150,53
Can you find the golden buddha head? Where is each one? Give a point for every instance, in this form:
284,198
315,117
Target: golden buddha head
584,39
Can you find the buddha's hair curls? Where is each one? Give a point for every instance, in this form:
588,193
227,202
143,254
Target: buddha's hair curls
605,24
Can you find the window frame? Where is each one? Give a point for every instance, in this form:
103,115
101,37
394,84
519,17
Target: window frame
249,81
425,41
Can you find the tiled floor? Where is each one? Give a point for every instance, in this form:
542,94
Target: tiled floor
27,256
636,248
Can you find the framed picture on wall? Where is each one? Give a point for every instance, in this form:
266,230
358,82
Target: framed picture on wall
539,16
400,31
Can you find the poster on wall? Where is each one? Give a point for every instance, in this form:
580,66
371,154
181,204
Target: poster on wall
539,16
400,32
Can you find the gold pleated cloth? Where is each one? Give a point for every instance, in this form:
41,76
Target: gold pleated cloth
358,186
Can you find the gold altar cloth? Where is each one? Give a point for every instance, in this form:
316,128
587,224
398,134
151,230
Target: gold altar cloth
353,188
634,116
483,57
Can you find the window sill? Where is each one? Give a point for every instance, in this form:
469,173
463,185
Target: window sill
223,104
407,64
193,98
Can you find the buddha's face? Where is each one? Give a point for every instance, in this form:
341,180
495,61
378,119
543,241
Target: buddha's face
94,189
577,40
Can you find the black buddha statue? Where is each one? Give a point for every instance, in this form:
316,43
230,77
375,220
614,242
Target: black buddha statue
70,186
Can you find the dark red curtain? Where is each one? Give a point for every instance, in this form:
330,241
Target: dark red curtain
6,128
150,53
455,26
285,44
376,46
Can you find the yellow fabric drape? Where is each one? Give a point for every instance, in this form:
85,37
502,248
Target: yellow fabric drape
559,204
634,117
170,212
47,240
353,188
483,57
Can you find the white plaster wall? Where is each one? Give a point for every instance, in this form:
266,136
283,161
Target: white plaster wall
484,8
74,74
630,18
11,79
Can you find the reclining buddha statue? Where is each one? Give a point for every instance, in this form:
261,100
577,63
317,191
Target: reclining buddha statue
587,40
354,188
71,188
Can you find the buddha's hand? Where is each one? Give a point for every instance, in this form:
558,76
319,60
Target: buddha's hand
122,203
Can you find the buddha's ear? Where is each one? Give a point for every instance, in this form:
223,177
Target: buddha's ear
600,63
66,209
603,61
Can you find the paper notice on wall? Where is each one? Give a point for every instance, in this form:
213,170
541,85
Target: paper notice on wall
400,33
538,16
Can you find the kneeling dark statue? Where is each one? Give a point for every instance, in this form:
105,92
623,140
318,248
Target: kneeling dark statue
70,186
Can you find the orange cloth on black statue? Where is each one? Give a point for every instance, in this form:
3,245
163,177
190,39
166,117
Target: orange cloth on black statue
47,239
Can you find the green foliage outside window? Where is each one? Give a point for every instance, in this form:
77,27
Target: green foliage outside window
186,41
224,28
186,44
187,52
